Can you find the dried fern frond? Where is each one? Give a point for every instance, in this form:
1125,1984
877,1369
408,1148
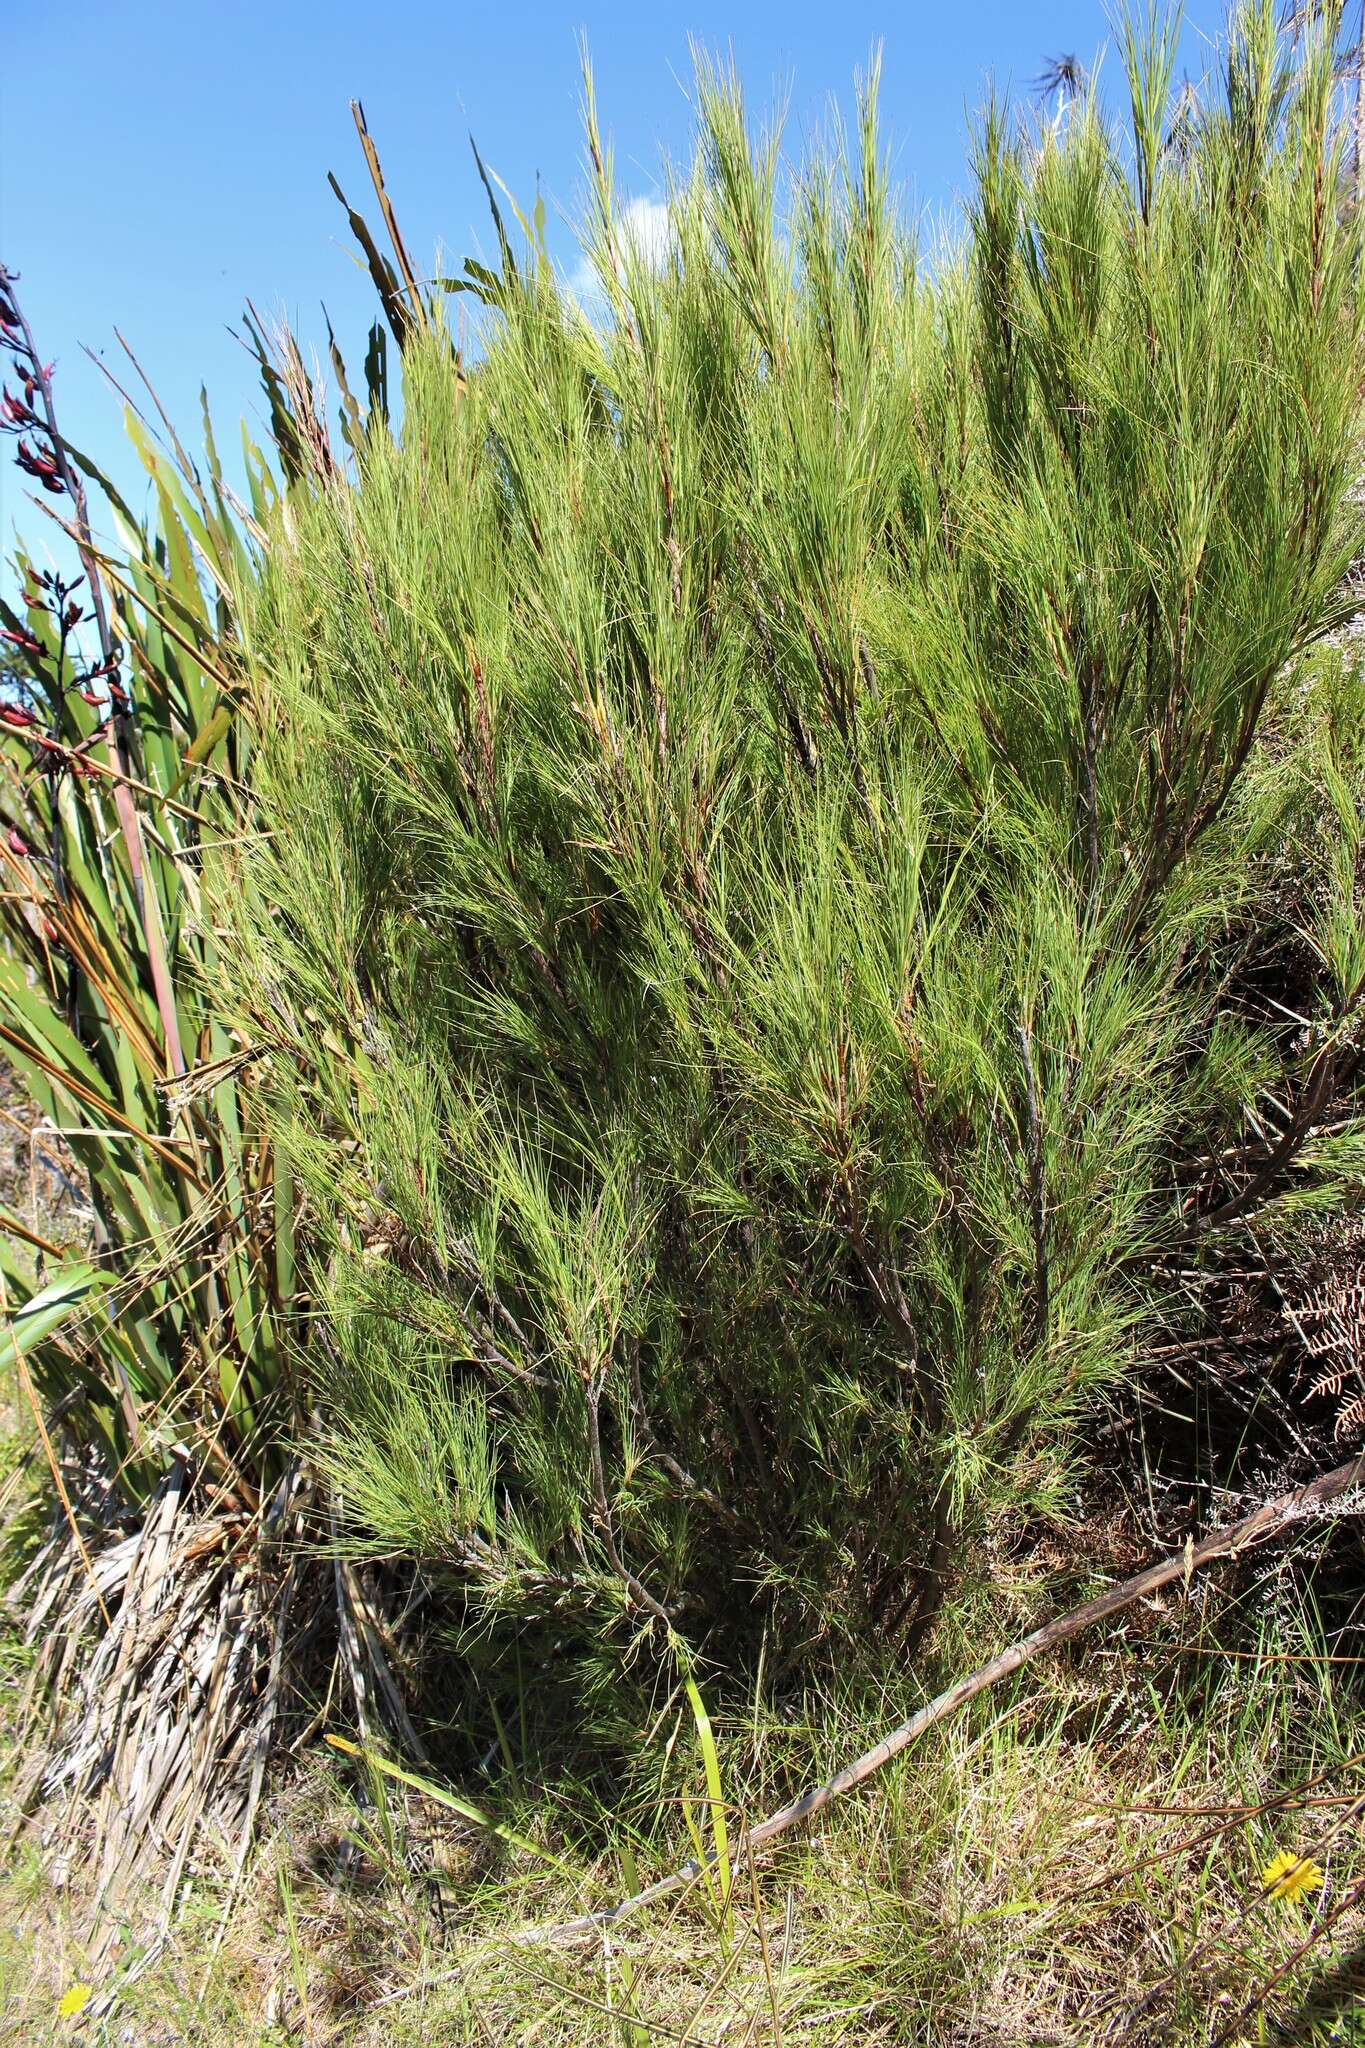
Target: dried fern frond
1325,1302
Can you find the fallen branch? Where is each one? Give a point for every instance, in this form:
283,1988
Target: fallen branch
1267,1521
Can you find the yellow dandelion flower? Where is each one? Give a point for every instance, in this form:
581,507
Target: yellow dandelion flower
74,1999
1288,1876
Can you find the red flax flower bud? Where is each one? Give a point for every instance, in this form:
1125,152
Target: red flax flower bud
18,844
24,641
15,715
42,464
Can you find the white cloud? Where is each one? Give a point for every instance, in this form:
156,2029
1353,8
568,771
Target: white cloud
645,230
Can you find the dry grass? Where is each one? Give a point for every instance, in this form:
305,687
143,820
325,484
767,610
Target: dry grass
1049,1871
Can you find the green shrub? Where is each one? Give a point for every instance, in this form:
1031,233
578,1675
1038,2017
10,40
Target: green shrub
765,786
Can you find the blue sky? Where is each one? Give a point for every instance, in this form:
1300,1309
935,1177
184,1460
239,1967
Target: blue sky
160,163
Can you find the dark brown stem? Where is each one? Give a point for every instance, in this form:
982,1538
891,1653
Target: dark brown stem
1304,1121
637,1592
645,1430
933,1578
1037,1186
882,1278
1091,785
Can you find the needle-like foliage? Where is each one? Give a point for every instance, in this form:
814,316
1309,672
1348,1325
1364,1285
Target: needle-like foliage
763,776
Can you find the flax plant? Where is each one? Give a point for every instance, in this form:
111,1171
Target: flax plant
109,1018
151,1336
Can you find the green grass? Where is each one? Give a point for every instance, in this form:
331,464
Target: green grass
956,1898
1037,1870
